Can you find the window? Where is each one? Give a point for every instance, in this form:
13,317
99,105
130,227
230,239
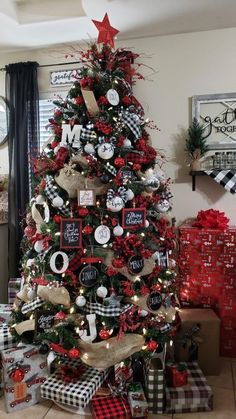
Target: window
46,107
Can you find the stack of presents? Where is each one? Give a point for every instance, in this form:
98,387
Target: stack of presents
174,379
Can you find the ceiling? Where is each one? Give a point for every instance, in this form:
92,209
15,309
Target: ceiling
40,23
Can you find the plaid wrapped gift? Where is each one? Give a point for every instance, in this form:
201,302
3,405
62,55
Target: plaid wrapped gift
6,338
14,286
24,369
110,407
154,379
77,393
5,312
196,396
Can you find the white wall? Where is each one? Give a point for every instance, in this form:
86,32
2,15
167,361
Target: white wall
185,65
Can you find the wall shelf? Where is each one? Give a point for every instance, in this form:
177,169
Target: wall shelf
195,173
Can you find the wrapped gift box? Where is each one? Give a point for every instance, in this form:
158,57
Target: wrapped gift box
154,371
110,407
78,393
24,370
177,374
196,396
208,338
5,312
6,338
137,400
14,286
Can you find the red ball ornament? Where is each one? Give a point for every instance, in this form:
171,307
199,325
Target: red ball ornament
60,315
17,375
152,345
118,263
29,231
119,162
87,229
104,334
74,353
83,212
57,219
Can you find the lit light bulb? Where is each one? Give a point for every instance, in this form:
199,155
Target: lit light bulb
144,331
72,310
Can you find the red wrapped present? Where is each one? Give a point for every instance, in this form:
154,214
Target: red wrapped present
110,407
178,374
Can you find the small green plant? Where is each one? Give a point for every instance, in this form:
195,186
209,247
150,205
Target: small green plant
196,145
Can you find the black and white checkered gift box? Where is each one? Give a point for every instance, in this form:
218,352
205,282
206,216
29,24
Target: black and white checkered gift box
6,339
76,394
195,396
154,378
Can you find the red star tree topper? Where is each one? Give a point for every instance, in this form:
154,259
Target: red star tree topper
106,31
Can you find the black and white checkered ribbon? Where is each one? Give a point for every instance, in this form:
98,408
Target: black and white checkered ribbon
52,192
111,169
133,123
226,178
121,192
6,339
32,305
107,311
88,133
166,328
166,195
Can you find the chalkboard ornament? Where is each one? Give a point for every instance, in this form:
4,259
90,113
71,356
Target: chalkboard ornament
88,276
143,303
44,321
135,264
133,218
71,233
154,301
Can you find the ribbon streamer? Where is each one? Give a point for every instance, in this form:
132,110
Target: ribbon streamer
121,192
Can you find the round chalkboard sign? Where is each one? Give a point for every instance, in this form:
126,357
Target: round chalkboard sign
154,301
88,276
135,264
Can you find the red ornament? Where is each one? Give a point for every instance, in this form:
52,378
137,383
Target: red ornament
29,231
118,263
152,345
74,353
111,271
60,315
106,31
17,375
54,144
119,162
104,334
57,219
87,229
83,212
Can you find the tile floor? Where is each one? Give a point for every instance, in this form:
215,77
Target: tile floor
224,388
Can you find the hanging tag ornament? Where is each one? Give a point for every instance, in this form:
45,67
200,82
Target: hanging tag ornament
88,276
102,234
113,97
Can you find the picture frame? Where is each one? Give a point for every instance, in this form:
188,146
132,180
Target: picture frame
86,197
71,233
64,77
217,113
133,218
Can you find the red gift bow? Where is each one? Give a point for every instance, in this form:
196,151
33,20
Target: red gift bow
211,219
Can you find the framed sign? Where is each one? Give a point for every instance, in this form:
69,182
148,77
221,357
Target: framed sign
63,77
133,217
217,113
86,197
44,321
88,276
162,258
154,301
71,233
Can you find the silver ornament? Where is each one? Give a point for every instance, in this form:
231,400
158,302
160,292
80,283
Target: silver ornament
118,231
102,291
57,202
106,151
129,194
89,148
80,301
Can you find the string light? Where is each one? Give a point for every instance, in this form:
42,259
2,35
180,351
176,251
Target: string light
108,345
86,355
135,298
144,331
57,233
72,310
48,230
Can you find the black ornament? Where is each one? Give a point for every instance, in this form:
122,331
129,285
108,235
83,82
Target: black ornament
88,276
135,264
44,349
104,178
154,301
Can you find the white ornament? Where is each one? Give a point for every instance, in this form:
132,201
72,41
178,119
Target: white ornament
127,143
163,205
65,262
102,234
40,199
38,246
80,301
31,294
29,263
143,313
102,292
113,97
118,230
106,151
116,204
129,194
147,223
92,329
89,148
57,202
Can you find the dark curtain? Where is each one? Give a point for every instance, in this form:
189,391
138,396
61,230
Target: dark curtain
23,125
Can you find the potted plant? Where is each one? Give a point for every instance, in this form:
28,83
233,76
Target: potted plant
196,145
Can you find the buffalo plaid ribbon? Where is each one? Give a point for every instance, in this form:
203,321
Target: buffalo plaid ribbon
61,157
32,305
226,178
75,262
133,123
196,396
88,133
110,407
52,192
6,339
107,311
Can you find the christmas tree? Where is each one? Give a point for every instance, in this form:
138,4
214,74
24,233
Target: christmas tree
99,282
